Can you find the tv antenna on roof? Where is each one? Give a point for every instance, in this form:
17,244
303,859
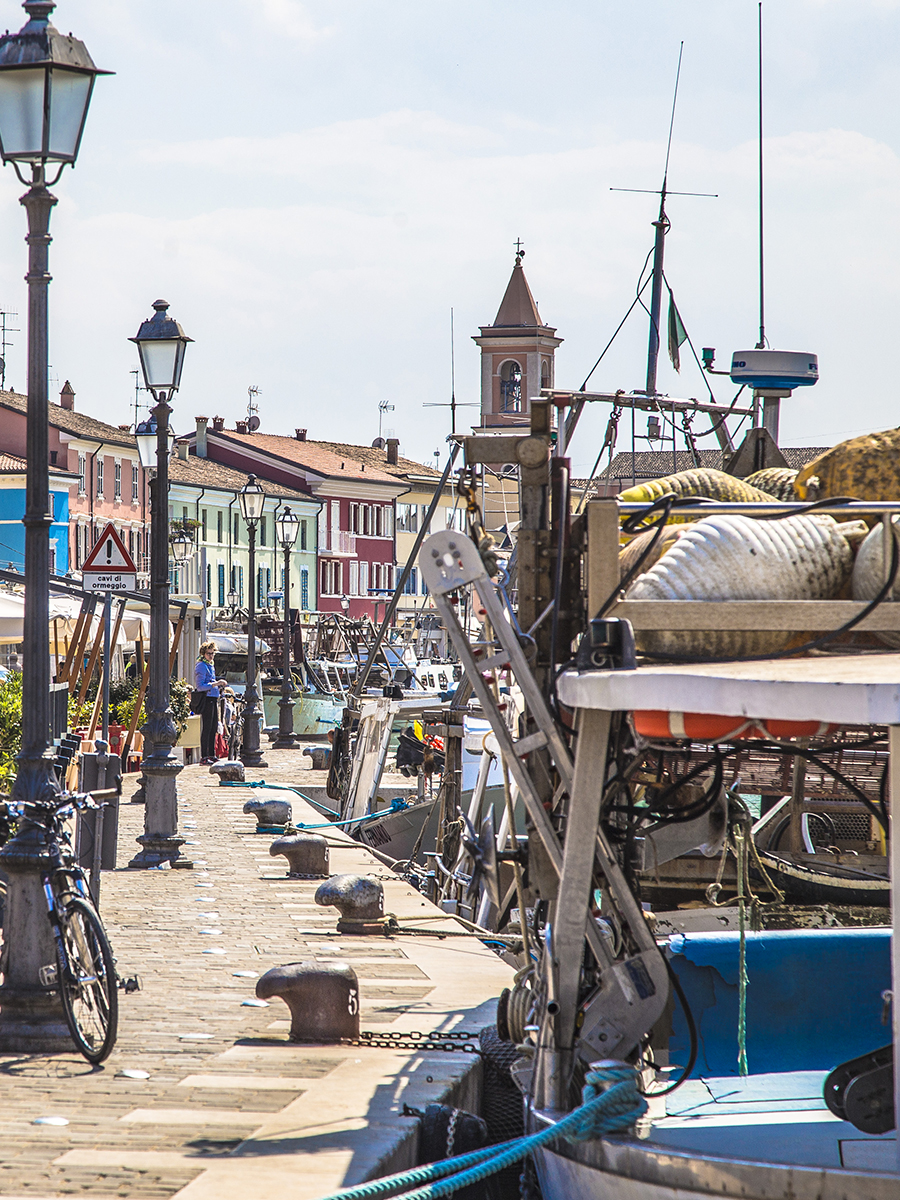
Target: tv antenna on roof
384,406
252,407
4,341
137,394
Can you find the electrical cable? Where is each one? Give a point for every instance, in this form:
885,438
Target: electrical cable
640,288
778,832
791,651
662,502
780,748
561,490
692,1035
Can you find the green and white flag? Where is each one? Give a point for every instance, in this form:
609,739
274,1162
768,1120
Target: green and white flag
677,333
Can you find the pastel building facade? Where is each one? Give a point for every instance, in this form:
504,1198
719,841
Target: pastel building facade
12,510
204,494
355,502
107,482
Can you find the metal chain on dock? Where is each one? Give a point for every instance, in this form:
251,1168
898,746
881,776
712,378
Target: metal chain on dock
463,1041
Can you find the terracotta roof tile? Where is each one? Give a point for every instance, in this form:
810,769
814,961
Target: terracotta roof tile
317,457
376,458
204,472
75,423
11,464
517,306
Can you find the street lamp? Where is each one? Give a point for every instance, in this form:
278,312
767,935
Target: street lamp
181,544
161,344
145,436
287,526
46,82
252,499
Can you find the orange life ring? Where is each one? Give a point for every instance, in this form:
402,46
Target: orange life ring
710,727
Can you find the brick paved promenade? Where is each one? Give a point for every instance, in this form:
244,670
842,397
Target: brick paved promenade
229,1106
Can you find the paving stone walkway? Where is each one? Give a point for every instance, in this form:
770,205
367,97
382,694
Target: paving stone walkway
228,1105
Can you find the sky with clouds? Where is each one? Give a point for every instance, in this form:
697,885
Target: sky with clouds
313,184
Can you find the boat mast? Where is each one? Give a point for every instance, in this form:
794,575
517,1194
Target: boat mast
661,225
761,344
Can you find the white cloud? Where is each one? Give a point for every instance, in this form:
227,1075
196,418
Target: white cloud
289,18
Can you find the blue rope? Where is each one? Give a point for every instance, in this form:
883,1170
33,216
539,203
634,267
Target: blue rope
278,787
610,1103
397,805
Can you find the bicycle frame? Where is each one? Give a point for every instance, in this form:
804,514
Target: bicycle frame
56,896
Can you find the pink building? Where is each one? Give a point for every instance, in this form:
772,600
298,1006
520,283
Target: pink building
356,522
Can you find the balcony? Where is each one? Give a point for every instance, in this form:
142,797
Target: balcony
337,543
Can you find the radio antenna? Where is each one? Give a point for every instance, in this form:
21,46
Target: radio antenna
253,407
760,345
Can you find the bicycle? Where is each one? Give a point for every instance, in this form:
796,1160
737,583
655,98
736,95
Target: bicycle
236,733
84,973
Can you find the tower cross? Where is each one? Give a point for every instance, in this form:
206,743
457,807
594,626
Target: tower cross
519,251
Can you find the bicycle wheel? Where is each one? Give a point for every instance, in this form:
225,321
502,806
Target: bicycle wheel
87,982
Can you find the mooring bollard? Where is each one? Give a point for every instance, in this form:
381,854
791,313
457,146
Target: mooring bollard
229,771
271,815
320,755
323,999
307,855
358,898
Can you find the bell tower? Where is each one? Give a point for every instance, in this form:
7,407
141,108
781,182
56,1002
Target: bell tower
517,354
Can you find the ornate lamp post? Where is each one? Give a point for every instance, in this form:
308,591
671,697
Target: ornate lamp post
252,500
46,81
181,544
287,526
161,344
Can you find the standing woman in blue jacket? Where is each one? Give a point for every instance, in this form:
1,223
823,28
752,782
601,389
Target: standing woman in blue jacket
206,700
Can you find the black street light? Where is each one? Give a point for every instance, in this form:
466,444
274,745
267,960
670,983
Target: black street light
161,344
252,501
181,543
46,81
287,526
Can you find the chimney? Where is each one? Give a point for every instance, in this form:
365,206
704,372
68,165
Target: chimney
218,424
67,396
201,436
393,447
300,435
182,448
240,426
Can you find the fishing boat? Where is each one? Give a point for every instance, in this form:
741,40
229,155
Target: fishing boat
762,1053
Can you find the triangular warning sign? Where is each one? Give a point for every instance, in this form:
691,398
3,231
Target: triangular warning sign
109,554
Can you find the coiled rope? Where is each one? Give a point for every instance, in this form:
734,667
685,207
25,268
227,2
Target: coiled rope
610,1103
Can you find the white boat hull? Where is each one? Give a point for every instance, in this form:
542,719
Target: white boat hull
631,1169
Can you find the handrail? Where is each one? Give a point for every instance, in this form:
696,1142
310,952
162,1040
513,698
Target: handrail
771,508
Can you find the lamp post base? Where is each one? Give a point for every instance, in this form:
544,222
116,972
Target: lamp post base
32,1022
31,1016
286,739
157,849
160,842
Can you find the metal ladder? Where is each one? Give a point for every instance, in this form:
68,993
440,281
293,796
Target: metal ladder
450,561
616,1017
